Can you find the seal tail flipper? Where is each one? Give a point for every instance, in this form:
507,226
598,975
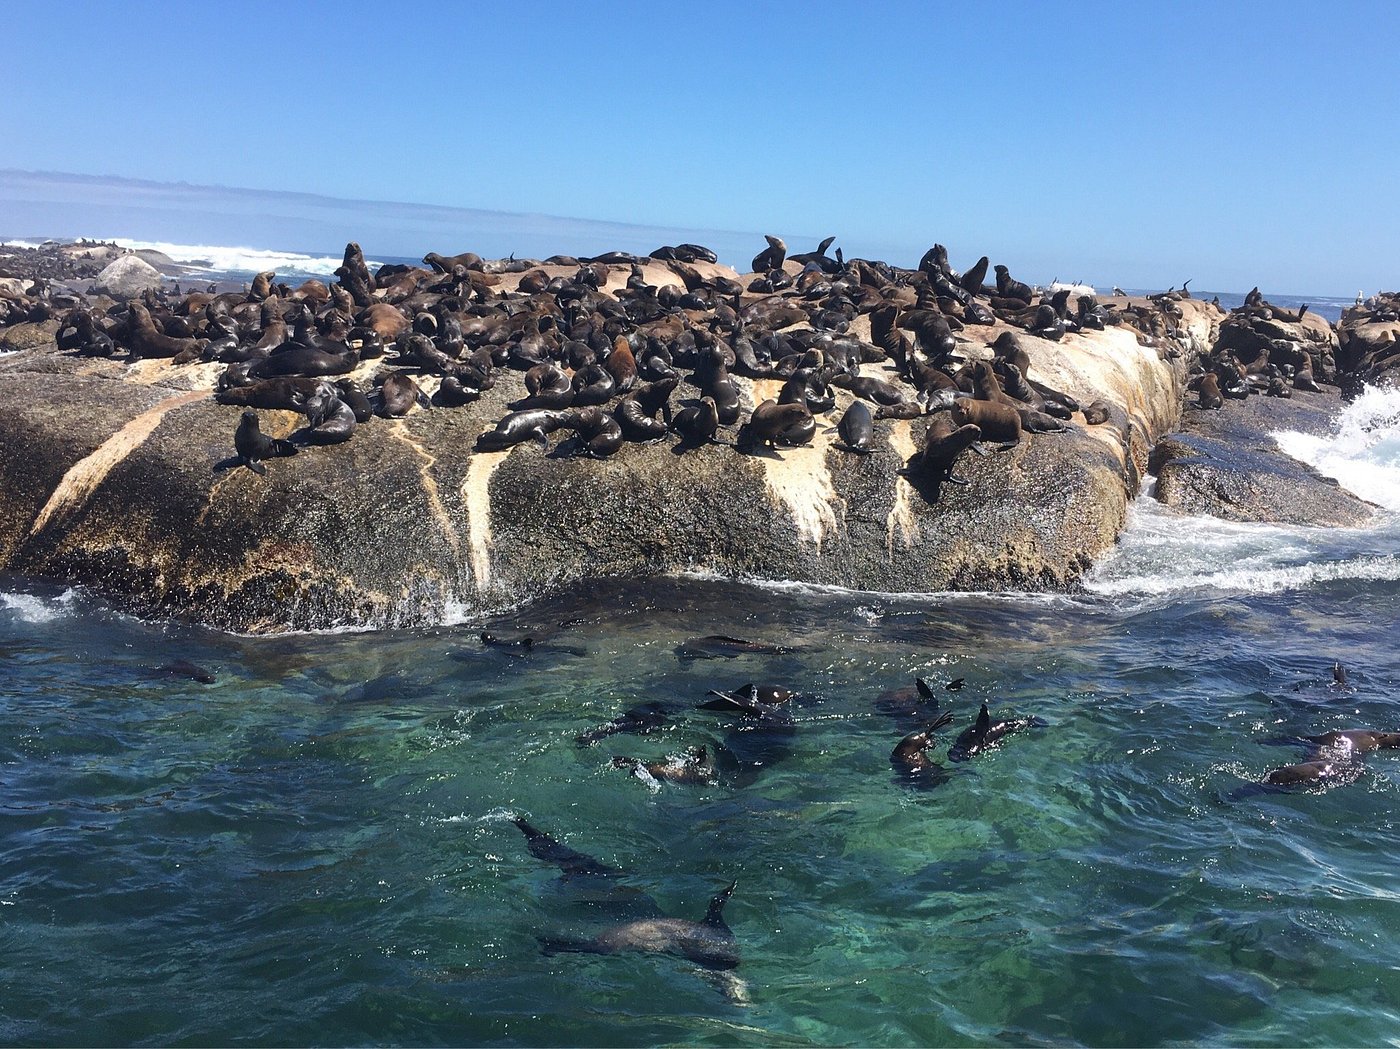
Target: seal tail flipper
283,448
925,689
715,915
544,847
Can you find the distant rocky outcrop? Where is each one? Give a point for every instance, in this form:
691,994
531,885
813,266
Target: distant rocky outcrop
127,278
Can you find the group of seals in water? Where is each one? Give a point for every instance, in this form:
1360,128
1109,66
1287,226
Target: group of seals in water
1329,758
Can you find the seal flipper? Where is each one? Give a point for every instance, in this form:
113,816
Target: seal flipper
925,689
252,464
544,847
714,917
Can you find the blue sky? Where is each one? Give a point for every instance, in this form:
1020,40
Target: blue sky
1116,143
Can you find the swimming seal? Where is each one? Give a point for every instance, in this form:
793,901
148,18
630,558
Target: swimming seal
694,768
986,734
708,943
910,756
639,719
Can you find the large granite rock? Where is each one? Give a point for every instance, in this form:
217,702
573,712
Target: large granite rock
1227,464
108,478
126,278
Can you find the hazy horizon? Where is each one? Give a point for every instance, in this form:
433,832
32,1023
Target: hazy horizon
45,204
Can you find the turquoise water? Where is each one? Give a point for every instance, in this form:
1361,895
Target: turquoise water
318,848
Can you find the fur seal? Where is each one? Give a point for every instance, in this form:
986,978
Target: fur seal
517,427
771,257
330,419
695,767
253,446
772,423
599,434
1359,741
697,425
944,441
708,943
398,393
857,428
998,422
910,756
1209,394
639,719
722,645
986,734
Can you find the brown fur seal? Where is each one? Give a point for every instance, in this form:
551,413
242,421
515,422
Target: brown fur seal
773,423
910,756
398,393
998,422
771,257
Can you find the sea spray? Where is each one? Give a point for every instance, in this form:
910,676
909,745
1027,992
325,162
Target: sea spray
1363,451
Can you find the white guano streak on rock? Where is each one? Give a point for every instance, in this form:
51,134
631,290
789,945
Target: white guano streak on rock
902,513
430,488
84,476
800,479
476,497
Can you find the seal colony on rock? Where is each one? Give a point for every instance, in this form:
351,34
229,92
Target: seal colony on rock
593,360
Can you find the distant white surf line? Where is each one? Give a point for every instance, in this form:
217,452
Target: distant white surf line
220,258
31,245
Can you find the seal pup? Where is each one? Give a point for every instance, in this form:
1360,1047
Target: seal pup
253,446
986,734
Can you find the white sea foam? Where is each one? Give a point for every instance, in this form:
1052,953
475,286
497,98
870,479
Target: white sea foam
34,609
1165,552
20,244
215,258
1363,451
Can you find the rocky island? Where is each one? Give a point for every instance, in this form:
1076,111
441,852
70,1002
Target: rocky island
470,433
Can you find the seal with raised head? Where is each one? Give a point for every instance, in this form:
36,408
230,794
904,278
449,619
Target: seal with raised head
771,257
910,756
253,446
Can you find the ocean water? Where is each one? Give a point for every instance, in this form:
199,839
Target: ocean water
318,846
